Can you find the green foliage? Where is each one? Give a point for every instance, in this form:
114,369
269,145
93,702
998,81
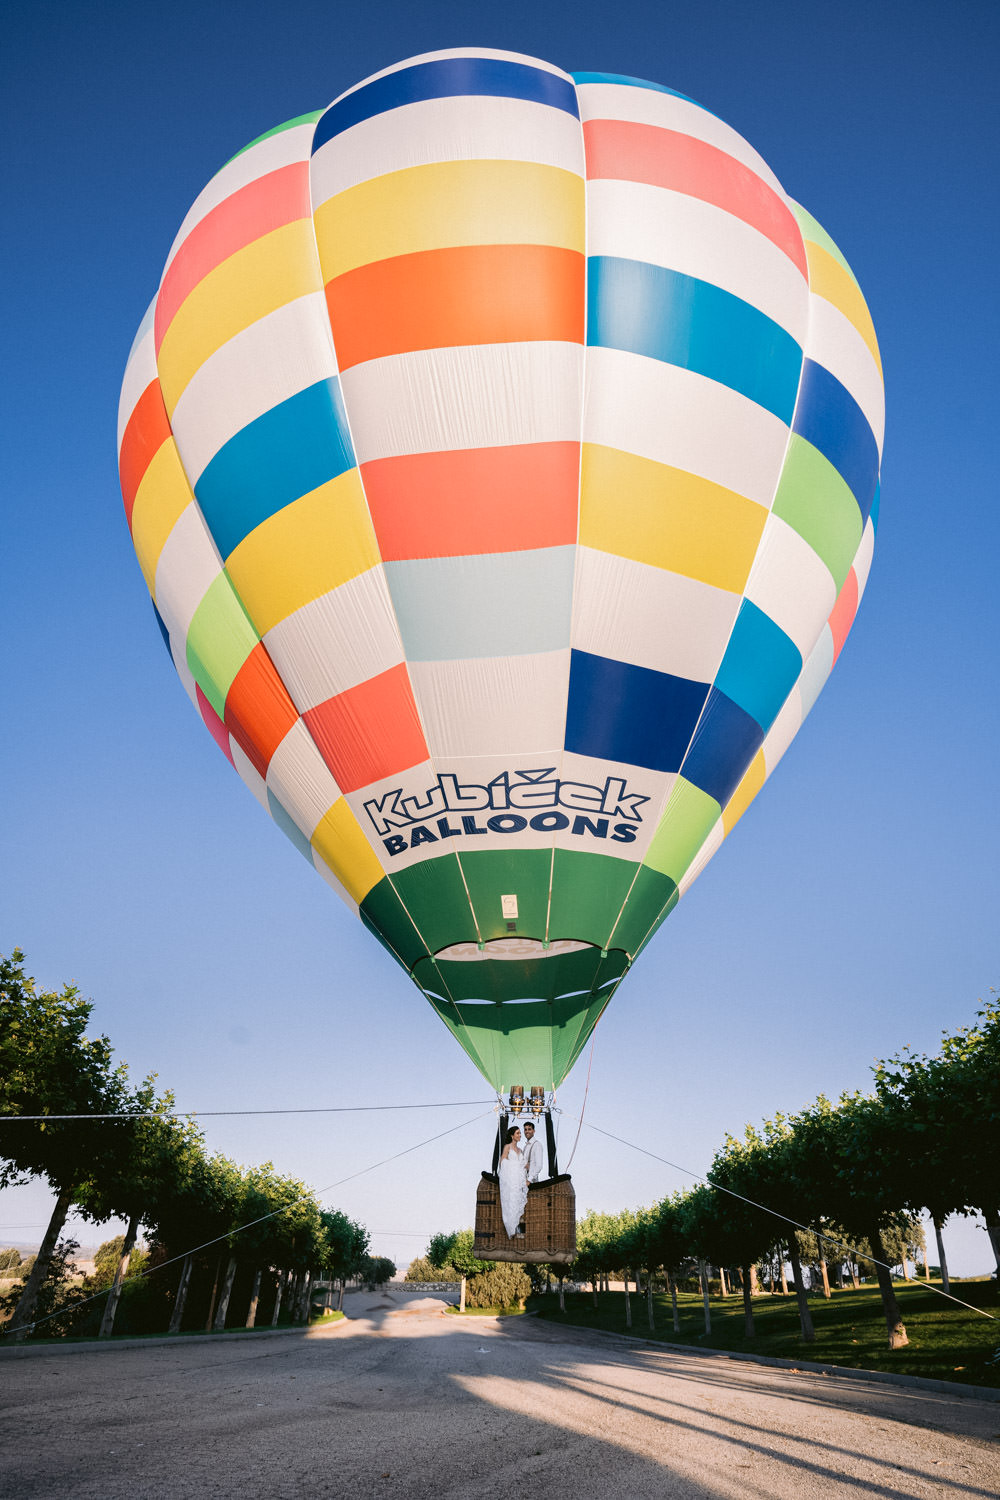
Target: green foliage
376,1270
506,1285
455,1251
26,1267
108,1257
59,1291
9,1260
422,1270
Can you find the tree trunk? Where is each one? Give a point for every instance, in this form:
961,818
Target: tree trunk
754,1287
20,1325
254,1296
594,1286
805,1316
628,1305
942,1258
111,1306
703,1274
826,1279
747,1303
340,1302
723,1292
893,1316
852,1266
562,1294
215,1288
278,1292
906,1269
784,1280
219,1321
927,1269
305,1297
673,1304
181,1297
992,1217
649,1301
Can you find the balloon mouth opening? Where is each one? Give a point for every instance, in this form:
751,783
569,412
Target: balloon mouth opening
512,948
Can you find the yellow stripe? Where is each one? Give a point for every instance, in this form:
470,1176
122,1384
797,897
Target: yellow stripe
264,275
162,496
635,507
304,550
450,203
753,780
828,279
339,841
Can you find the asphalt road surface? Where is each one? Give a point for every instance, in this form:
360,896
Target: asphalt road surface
405,1400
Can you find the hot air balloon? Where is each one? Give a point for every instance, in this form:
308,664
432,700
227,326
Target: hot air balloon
501,453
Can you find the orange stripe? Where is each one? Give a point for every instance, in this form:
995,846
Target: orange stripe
629,152
267,203
372,730
259,712
147,430
842,616
472,500
469,294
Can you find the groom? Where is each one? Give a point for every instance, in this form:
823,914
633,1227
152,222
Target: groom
535,1162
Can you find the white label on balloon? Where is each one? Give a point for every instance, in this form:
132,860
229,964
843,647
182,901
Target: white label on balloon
508,906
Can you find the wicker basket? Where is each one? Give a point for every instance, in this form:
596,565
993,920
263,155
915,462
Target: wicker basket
549,1223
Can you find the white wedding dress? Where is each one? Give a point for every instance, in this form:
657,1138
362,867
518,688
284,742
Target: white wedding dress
513,1190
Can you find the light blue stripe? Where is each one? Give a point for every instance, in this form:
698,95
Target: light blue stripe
288,827
295,447
634,83
680,320
494,604
760,666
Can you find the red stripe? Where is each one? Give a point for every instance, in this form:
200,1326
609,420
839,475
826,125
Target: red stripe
629,152
216,728
372,730
465,294
259,712
842,616
147,430
267,203
474,500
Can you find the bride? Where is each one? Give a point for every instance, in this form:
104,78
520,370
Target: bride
513,1183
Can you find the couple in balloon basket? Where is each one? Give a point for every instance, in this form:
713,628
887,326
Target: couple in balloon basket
522,1161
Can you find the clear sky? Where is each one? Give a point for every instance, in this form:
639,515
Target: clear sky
855,907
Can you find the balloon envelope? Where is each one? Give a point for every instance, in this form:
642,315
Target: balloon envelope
501,453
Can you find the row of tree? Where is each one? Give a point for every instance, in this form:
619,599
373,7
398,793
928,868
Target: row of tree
857,1173
216,1225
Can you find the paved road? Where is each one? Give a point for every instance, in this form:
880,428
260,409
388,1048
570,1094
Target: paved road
407,1401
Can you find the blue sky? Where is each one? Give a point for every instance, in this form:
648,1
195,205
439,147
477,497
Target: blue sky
855,908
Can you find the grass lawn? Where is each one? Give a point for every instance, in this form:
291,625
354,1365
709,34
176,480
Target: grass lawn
947,1342
485,1312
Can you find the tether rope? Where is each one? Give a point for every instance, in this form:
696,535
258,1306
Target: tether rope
206,1114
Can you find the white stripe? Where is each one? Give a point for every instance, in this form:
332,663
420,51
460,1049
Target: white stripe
275,358
863,557
186,568
443,130
335,642
835,343
475,396
506,705
677,417
791,584
613,101
819,665
248,774
300,779
276,151
665,228
632,612
139,373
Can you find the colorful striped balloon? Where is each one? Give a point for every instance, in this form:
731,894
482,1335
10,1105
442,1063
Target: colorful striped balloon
501,453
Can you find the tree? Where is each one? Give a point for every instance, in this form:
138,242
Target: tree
455,1251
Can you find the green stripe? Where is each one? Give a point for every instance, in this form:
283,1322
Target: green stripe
811,230
688,819
492,873
219,640
818,503
309,119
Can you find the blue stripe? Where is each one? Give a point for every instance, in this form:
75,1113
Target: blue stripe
483,604
163,630
829,417
634,83
621,712
296,446
446,78
760,666
875,507
726,743
680,320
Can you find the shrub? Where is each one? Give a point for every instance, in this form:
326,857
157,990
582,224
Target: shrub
422,1270
507,1285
